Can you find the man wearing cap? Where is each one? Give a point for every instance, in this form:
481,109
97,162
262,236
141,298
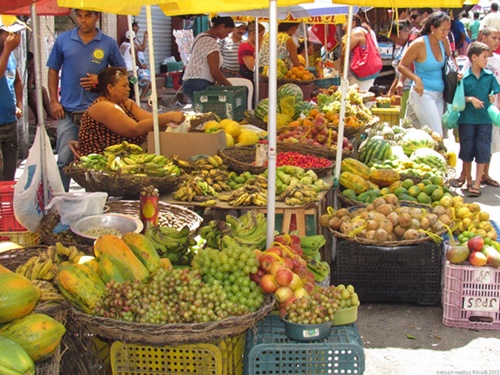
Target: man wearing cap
80,54
11,98
229,50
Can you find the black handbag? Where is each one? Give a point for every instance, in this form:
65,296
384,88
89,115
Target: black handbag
450,77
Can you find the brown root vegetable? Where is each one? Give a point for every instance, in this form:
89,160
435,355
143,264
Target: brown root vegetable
335,223
372,225
385,209
399,231
378,202
411,234
405,220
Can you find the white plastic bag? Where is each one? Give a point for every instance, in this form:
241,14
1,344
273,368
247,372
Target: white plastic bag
73,206
28,202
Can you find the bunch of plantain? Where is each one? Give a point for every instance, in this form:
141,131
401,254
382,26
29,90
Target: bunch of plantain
320,269
195,188
174,244
252,193
212,233
249,229
45,265
236,181
298,195
311,245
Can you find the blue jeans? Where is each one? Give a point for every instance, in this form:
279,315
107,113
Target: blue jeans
8,151
66,131
190,86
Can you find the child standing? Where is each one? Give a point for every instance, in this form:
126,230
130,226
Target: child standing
474,123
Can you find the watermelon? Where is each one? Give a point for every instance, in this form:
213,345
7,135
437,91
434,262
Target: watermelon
262,109
375,149
415,139
303,107
290,89
430,157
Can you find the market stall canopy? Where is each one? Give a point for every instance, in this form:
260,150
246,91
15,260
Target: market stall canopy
403,3
23,7
123,7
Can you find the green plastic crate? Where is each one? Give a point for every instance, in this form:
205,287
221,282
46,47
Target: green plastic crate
269,351
225,101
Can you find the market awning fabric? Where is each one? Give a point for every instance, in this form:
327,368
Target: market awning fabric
23,8
404,3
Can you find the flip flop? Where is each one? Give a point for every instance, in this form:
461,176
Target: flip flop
467,187
456,183
491,182
473,192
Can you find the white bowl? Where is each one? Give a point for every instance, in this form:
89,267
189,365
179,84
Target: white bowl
122,223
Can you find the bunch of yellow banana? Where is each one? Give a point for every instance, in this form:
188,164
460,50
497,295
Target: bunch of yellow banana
195,188
45,265
124,148
48,291
209,163
298,195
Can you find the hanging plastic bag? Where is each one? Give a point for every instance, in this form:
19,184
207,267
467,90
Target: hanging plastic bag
458,103
29,205
494,113
450,118
73,206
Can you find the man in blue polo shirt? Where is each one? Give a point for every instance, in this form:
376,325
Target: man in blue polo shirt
11,95
80,54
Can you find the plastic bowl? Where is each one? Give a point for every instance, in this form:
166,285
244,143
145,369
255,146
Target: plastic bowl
307,332
122,223
345,316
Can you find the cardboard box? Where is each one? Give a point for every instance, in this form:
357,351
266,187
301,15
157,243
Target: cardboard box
188,144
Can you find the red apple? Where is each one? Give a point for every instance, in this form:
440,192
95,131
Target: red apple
284,277
476,243
268,284
309,287
275,267
258,254
275,250
266,262
478,259
283,293
288,263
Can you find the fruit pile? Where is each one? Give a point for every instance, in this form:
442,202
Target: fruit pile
478,251
300,160
299,73
281,69
235,134
386,220
127,158
173,244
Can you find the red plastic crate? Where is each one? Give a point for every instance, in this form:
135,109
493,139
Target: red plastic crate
8,222
471,297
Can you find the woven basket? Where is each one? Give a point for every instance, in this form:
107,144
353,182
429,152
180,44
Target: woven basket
170,334
170,215
117,184
250,116
322,152
351,131
345,202
239,159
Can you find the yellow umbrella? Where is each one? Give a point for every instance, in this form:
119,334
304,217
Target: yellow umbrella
404,3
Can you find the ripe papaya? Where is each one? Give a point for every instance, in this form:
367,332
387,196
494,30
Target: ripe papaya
18,296
114,245
354,182
4,270
111,269
14,359
384,177
356,167
81,286
38,334
143,249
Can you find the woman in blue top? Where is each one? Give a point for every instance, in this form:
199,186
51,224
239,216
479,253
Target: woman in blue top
427,54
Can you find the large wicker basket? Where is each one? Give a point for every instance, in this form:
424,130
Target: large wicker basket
170,334
117,184
240,159
306,149
250,116
170,215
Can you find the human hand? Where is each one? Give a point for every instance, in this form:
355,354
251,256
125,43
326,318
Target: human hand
476,102
419,86
12,41
176,117
89,82
491,97
19,113
399,88
57,110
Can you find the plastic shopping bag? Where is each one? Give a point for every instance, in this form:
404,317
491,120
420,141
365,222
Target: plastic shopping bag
29,205
458,103
450,118
73,206
494,113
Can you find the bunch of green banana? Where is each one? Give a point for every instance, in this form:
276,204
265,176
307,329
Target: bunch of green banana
249,229
45,265
48,291
252,192
97,162
194,188
298,195
213,232
238,180
172,243
214,177
320,269
311,245
124,148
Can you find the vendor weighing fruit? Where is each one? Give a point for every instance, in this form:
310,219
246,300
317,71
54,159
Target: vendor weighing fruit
113,117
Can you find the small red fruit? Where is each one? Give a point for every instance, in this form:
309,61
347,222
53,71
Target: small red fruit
478,259
266,262
476,243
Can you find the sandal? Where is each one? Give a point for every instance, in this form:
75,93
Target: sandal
490,182
456,183
467,187
473,192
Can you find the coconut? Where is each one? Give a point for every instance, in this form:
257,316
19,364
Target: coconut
439,210
391,237
378,202
345,218
410,234
438,226
342,212
362,233
358,223
445,219
415,212
393,217
372,225
385,209
380,235
405,220
404,210
424,223
324,220
370,207
364,215
370,235
399,231
335,223
432,218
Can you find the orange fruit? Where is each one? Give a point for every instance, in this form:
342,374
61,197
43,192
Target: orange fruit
313,112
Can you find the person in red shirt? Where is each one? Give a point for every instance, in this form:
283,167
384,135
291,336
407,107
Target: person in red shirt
246,51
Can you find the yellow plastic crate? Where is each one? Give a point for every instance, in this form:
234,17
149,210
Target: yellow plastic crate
390,115
24,239
224,357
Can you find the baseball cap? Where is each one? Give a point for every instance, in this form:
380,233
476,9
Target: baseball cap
130,35
11,24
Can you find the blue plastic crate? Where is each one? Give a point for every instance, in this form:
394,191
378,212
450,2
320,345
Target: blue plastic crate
268,351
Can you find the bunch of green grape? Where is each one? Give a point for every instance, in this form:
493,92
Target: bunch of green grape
230,269
348,297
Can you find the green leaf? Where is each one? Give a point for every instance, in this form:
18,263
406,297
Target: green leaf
411,337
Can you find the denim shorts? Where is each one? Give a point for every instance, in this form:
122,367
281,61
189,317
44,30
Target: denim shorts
192,85
475,142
